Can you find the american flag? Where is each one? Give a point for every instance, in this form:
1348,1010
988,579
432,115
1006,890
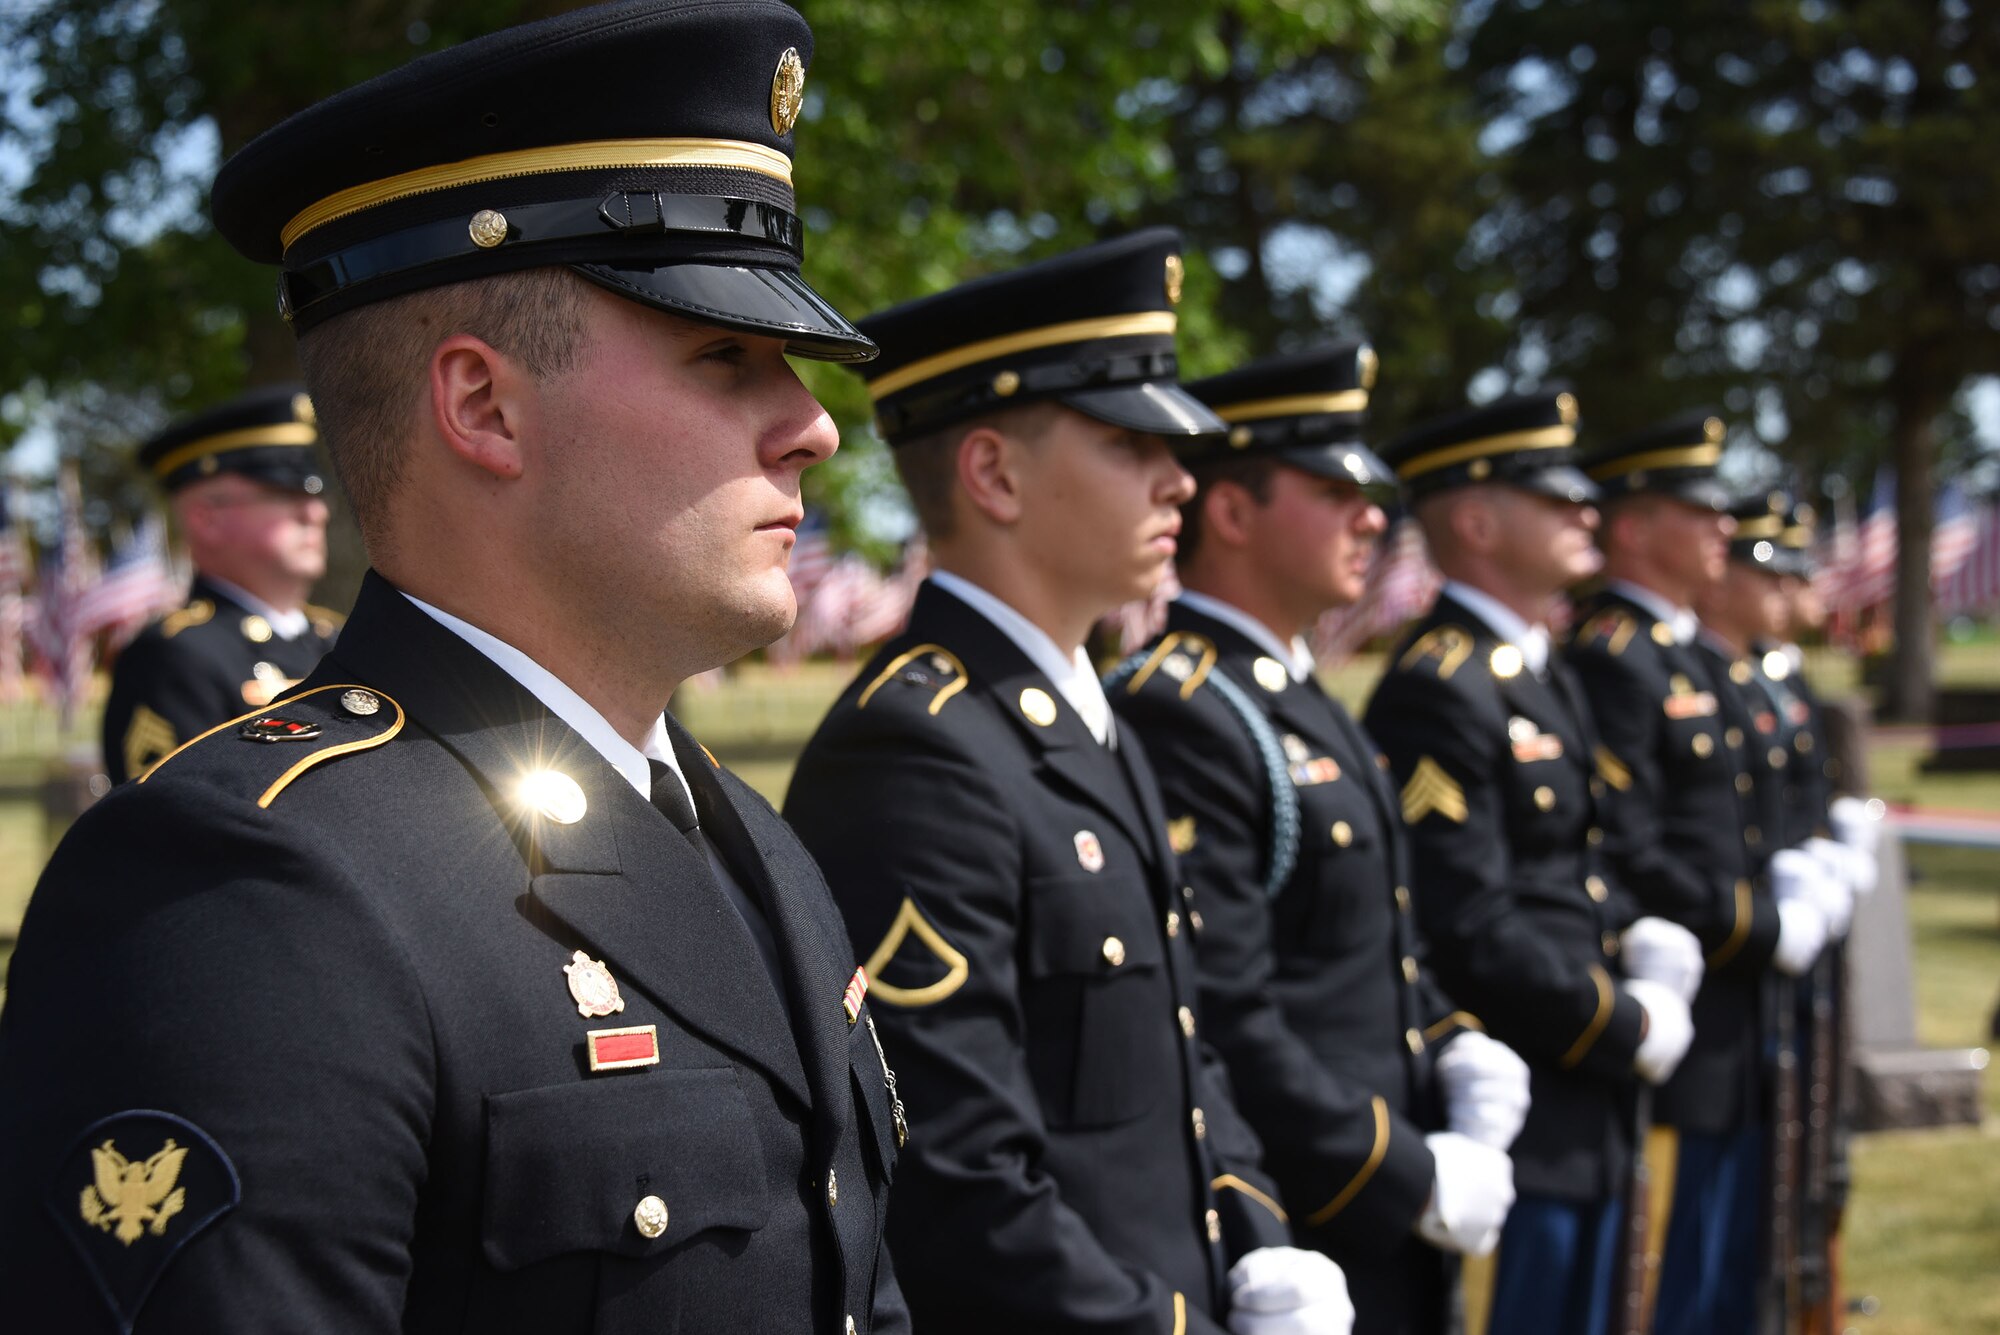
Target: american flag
63,648
13,605
1952,534
885,609
1973,584
137,585
1137,622
1402,584
1864,574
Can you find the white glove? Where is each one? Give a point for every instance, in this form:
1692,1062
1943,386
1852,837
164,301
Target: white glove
1795,881
1853,867
1856,823
1797,874
1663,952
1470,1196
1485,1088
1669,1029
1288,1291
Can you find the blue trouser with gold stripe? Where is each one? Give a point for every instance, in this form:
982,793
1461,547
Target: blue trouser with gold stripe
1554,1273
1714,1254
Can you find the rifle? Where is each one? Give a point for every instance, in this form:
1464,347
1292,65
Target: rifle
1780,1300
1631,1312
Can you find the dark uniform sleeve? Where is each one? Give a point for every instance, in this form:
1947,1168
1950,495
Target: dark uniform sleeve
908,827
1736,928
1361,1169
1444,743
182,957
163,692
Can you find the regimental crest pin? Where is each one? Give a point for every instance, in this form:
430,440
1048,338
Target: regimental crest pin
1089,852
593,988
788,91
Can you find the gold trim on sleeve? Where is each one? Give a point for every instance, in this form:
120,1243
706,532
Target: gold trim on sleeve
1738,933
1607,1001
328,753
1455,1020
1429,790
1360,1179
896,664
1180,1313
1230,1181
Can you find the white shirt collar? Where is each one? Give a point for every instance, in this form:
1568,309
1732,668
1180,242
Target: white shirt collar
571,708
285,625
1296,656
1504,621
1074,676
1680,620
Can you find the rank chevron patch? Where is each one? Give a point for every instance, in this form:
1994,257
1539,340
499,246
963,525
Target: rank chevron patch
1430,790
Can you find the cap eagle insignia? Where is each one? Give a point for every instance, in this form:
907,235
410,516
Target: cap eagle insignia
129,1198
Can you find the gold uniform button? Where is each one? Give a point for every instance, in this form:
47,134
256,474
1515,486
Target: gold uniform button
1734,737
1187,1021
1200,1124
1343,834
1173,923
1414,1039
1744,783
651,1216
1214,1220
1545,798
1703,746
832,1189
1194,919
1595,888
1409,969
1187,893
1610,943
1776,756
1403,899
1593,836
1114,951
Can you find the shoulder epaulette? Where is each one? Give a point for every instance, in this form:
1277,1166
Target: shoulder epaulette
929,666
1613,628
1447,647
1181,656
196,613
325,621
276,744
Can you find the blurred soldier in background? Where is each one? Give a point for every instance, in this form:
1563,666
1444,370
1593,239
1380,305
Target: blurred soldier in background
1384,1115
1503,782
1001,850
245,486
1683,812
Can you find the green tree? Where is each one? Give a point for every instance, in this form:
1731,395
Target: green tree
1783,207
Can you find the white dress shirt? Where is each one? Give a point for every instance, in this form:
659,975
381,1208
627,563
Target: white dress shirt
571,708
1073,676
1680,620
1296,656
1504,621
285,625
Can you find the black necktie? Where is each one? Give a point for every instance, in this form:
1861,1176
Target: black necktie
670,795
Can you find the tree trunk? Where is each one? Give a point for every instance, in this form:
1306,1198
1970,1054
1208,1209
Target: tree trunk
1912,687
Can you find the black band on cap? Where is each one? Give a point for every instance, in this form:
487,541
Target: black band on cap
633,215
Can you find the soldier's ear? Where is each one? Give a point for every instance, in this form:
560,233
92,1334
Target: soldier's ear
1227,513
477,405
992,473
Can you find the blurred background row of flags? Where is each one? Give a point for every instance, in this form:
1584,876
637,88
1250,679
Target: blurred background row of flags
63,609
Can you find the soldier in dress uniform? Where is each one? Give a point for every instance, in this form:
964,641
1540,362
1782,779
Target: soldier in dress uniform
1385,1114
1497,764
245,487
1683,808
458,988
1000,849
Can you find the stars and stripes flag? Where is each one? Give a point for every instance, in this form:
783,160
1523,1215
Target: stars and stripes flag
64,650
1402,584
1857,561
137,585
1973,583
14,572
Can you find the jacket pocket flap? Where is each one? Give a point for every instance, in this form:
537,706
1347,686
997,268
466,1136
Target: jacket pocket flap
1092,925
568,1166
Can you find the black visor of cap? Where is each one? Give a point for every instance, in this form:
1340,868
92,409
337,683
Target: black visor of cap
1563,482
775,303
1347,461
1158,408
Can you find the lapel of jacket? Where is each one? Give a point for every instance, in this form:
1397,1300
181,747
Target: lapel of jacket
621,877
812,950
1064,748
